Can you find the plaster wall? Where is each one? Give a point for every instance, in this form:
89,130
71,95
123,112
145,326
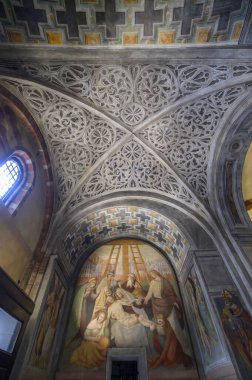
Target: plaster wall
33,205
14,251
16,135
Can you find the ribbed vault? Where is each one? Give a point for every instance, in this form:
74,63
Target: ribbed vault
118,131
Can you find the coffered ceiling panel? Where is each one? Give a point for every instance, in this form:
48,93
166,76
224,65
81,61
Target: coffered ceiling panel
124,22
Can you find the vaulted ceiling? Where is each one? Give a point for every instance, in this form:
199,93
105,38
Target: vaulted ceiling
130,128
144,126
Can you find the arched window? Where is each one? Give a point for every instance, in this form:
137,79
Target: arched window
11,174
247,181
16,179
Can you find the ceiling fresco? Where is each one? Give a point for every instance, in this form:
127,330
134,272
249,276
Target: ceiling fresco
125,22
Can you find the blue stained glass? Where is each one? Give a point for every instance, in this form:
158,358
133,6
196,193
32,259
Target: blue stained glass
10,176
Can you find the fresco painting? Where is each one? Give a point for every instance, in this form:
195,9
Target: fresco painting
126,296
42,348
211,349
237,325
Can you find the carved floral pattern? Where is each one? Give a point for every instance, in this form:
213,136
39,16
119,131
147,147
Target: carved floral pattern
131,93
184,136
132,167
76,138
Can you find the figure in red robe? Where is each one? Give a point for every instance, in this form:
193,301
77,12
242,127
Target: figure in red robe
170,338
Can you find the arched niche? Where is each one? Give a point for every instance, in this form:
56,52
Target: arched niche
122,268
226,163
166,226
227,198
115,293
76,237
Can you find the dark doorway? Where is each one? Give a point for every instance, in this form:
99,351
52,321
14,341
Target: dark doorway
124,370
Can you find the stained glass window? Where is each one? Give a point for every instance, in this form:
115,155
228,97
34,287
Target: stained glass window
10,177
17,177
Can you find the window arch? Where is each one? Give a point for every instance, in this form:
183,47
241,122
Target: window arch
11,175
16,179
247,181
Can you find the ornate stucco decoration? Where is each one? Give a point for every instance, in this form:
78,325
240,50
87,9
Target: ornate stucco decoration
114,128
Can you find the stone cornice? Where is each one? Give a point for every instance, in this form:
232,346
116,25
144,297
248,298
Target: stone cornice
150,53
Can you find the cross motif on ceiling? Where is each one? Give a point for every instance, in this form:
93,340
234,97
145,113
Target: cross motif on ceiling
142,229
178,239
123,227
160,237
31,16
148,17
87,240
73,255
143,217
174,252
68,242
105,231
186,14
71,18
223,8
110,18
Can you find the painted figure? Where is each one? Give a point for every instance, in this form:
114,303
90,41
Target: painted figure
93,349
127,329
163,297
48,323
123,308
81,309
202,318
133,286
165,302
105,288
169,351
237,325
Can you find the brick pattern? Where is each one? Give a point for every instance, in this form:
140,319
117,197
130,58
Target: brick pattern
97,22
125,221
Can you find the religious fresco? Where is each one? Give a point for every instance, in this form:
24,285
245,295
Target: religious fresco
237,325
126,296
42,347
210,347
